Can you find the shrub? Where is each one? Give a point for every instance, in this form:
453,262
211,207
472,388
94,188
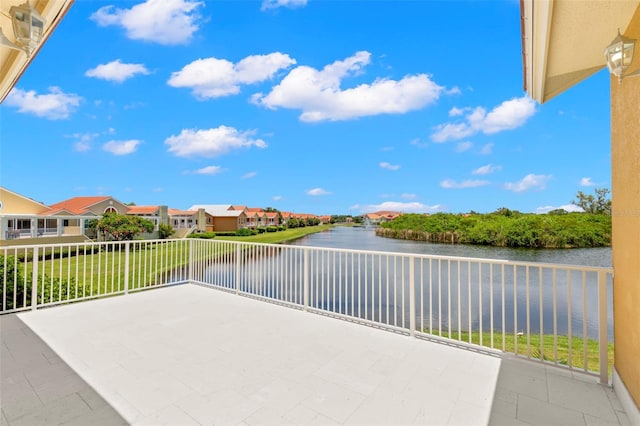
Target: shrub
271,229
262,230
204,235
243,232
165,231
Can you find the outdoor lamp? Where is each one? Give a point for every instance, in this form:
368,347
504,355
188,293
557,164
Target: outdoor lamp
28,26
4,41
619,55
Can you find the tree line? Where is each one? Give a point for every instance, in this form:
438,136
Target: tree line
511,228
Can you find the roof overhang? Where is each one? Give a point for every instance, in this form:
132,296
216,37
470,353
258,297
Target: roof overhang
563,41
13,62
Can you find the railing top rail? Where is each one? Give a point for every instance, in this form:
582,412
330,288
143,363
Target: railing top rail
336,250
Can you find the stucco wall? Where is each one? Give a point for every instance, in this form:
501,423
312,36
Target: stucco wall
222,224
14,204
625,176
100,207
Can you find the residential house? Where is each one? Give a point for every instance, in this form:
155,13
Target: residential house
325,219
22,218
376,218
221,218
80,209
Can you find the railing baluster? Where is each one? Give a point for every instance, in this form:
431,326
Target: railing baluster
412,297
584,321
603,338
34,280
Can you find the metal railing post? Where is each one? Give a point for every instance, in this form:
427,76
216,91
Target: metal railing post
305,269
127,246
603,326
34,280
190,273
412,297
238,267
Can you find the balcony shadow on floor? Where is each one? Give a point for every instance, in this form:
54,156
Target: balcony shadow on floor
38,387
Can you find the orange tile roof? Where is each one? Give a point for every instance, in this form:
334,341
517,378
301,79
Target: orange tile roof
78,205
176,212
254,209
272,214
237,207
142,209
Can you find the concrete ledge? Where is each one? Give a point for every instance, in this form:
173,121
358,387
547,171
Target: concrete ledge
630,407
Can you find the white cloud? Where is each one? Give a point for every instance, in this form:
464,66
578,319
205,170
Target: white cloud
121,147
317,191
274,4
506,116
470,183
567,207
456,112
211,142
586,181
83,141
116,71
209,170
389,166
408,196
249,175
487,149
167,22
418,143
464,146
277,198
319,95
55,105
528,182
398,206
486,170
213,77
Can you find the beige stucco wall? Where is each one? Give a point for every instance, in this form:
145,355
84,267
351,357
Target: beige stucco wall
100,207
15,204
625,176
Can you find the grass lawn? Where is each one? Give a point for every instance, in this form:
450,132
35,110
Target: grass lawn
280,236
562,357
73,275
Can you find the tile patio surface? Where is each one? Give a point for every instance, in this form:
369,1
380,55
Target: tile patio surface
189,355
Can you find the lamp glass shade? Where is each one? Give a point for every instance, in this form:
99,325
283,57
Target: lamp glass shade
28,26
619,55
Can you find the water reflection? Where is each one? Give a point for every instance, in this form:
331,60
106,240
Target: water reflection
451,295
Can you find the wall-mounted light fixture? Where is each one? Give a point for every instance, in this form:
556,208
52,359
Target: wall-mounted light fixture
4,41
619,55
28,28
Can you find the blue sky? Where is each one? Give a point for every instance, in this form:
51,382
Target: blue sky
327,107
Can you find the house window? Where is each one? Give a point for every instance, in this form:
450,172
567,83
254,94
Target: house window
110,210
65,222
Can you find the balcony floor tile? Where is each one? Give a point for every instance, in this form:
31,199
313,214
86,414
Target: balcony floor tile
193,355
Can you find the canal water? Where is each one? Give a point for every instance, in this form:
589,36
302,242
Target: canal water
460,292
364,238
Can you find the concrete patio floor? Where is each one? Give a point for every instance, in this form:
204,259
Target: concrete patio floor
189,355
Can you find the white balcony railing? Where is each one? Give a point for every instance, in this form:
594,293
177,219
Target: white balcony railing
558,314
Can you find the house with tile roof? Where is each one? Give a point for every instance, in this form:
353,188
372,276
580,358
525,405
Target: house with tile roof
221,217
376,218
23,219
178,219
